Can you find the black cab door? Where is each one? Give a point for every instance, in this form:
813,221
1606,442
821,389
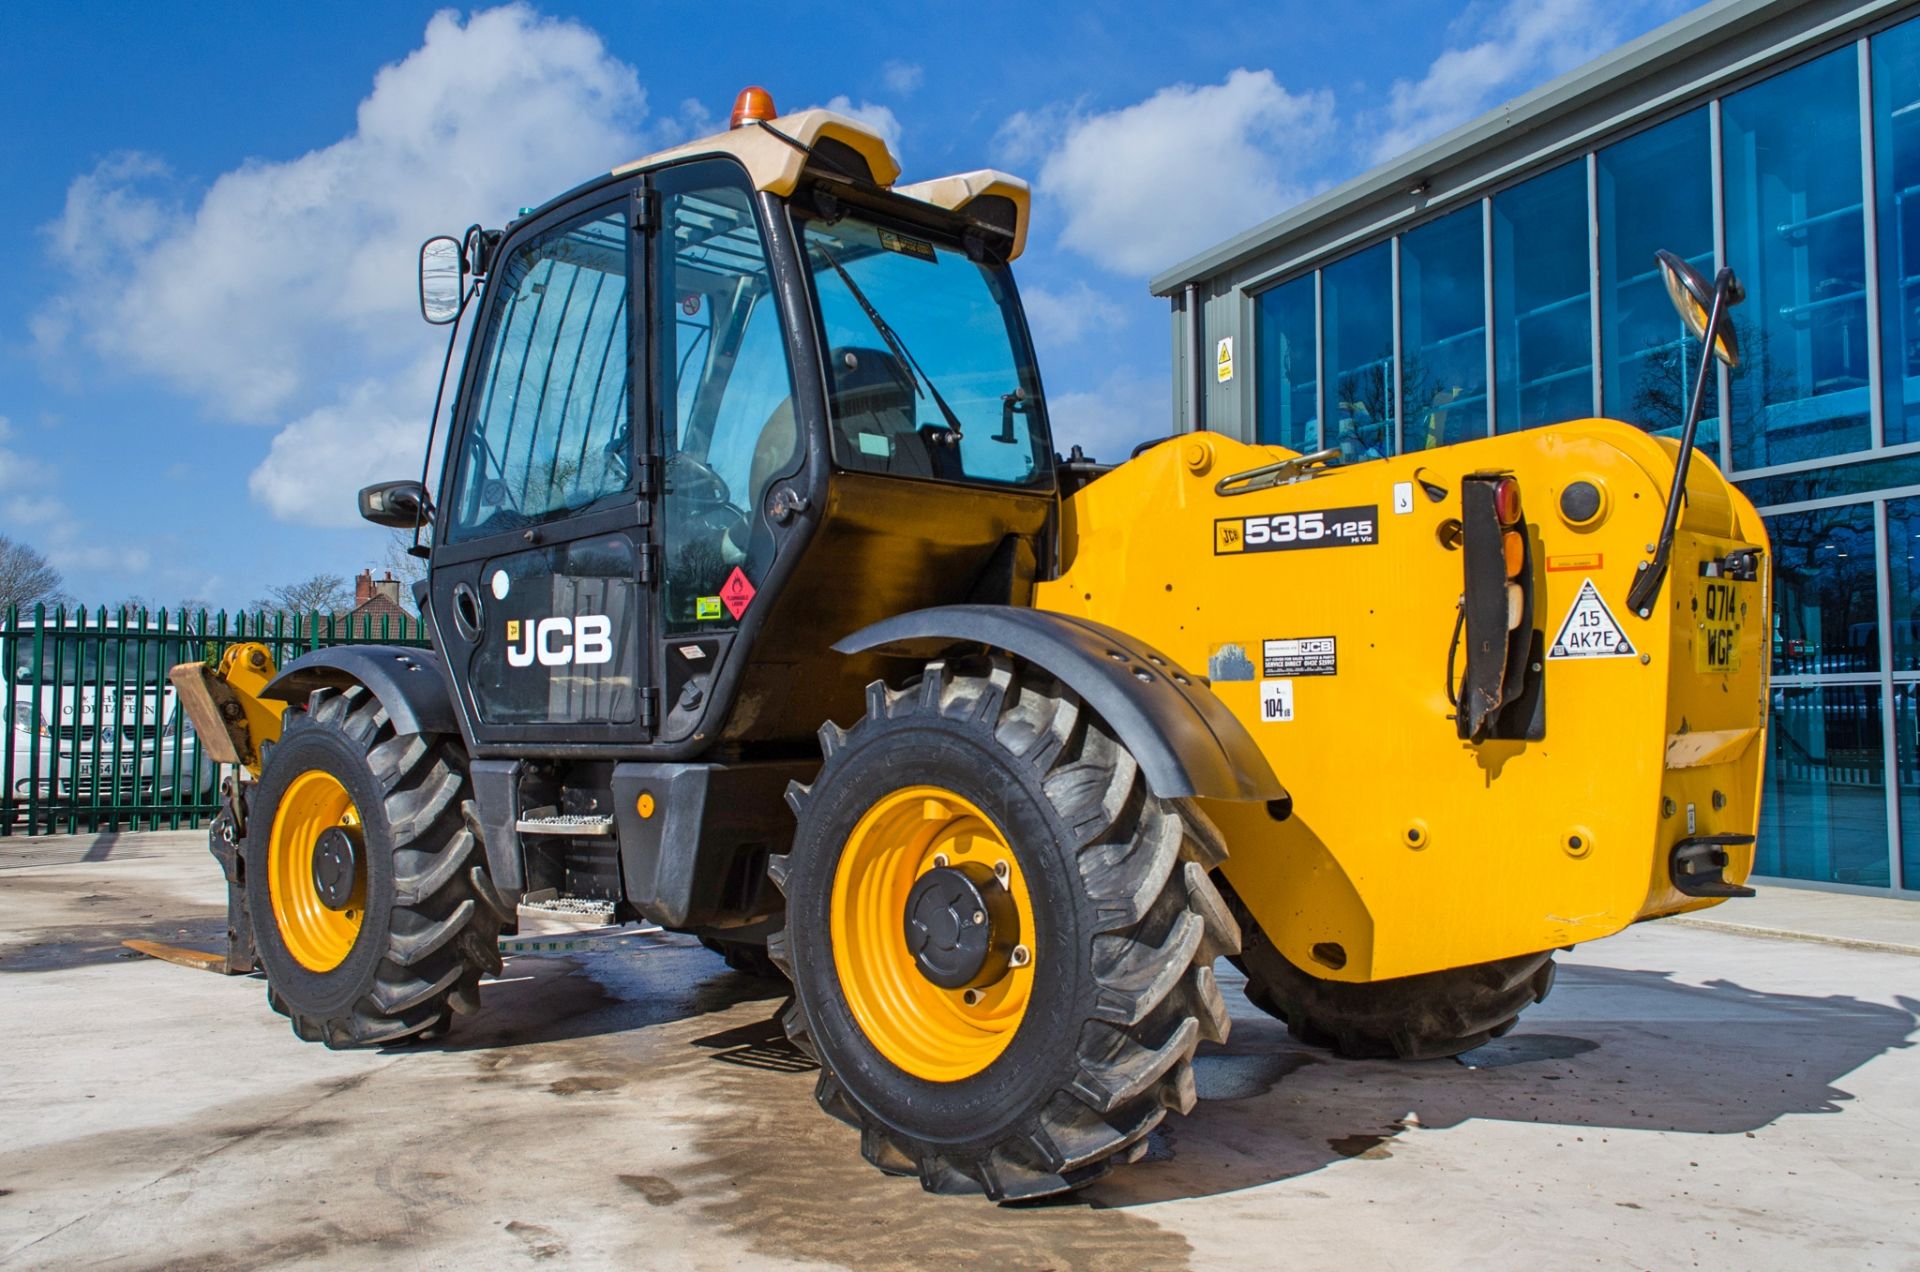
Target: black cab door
539,597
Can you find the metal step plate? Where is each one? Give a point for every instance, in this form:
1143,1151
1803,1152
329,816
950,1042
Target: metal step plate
566,824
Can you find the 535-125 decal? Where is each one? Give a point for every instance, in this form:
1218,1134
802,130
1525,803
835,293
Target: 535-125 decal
1282,531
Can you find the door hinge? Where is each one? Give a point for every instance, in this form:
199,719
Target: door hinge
649,709
649,474
649,560
646,211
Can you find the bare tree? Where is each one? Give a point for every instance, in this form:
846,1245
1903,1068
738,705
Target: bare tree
327,593
27,578
403,565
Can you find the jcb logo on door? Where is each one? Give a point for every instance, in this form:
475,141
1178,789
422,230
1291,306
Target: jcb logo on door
556,642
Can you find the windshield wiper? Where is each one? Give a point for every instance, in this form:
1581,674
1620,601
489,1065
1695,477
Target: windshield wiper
922,382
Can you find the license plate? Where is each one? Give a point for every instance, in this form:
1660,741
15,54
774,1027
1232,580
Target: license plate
86,770
1720,613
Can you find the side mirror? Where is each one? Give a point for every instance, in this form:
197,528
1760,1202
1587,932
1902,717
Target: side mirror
1692,296
403,505
443,275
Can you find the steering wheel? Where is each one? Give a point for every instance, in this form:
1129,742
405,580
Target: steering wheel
705,499
695,483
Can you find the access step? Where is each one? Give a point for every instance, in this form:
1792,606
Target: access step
589,824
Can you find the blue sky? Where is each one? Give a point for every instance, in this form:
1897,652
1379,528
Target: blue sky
208,339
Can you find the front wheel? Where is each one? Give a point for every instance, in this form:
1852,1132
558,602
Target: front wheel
1001,942
371,906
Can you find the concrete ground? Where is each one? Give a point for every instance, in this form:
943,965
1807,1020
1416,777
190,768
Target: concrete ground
1687,1097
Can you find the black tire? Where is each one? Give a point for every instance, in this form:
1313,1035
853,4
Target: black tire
1127,924
746,958
1425,1017
432,917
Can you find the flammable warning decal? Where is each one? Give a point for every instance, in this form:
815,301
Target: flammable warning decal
1590,629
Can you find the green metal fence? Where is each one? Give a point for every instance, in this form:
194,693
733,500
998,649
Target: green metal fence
96,740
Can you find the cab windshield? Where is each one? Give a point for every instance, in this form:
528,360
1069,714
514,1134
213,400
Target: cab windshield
931,372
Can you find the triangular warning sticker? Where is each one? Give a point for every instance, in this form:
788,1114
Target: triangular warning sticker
1591,631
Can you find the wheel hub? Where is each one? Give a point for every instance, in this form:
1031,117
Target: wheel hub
336,863
960,926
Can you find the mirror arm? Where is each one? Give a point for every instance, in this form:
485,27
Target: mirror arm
1654,572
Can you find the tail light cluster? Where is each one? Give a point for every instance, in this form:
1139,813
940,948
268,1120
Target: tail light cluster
1499,691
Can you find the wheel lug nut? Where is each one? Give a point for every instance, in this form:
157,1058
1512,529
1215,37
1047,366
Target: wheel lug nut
1000,871
1021,956
973,997
979,917
939,858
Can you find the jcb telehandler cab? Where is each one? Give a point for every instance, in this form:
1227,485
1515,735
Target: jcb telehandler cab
748,439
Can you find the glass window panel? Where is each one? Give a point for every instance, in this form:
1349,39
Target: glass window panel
1654,192
1903,568
550,434
1896,140
730,427
1829,482
1286,366
1906,734
1542,301
1443,337
1357,359
1823,814
1791,149
1825,603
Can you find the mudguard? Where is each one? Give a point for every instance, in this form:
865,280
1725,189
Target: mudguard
1187,742
410,683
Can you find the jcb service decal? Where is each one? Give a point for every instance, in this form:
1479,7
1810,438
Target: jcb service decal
1281,531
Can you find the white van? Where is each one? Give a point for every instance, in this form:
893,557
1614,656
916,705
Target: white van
99,724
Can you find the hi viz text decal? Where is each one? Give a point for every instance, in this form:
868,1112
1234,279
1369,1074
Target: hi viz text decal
556,642
1282,531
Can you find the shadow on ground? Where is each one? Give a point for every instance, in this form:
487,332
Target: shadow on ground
1648,1055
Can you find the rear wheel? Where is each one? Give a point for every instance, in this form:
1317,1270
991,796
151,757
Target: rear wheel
372,910
1424,1017
1001,942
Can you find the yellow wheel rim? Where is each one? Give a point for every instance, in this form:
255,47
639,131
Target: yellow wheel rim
941,1035
318,937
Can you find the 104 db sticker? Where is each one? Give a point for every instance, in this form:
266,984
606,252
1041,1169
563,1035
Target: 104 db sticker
1283,531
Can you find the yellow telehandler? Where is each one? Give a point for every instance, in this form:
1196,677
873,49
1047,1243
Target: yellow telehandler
763,609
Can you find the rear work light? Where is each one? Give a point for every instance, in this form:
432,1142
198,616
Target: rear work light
1498,694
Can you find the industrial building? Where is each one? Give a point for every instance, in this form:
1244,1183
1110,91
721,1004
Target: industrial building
1503,277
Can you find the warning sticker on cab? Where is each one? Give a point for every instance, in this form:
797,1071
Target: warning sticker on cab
1281,531
1300,656
1590,629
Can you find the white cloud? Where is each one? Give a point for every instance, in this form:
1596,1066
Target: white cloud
1064,317
30,502
317,464
902,77
879,118
1523,44
286,278
1108,421
1145,185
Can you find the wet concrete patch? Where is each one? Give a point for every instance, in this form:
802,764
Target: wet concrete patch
1367,1147
589,1082
1525,1049
657,1191
1233,1076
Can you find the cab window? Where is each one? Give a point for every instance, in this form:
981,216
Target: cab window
931,372
551,432
728,421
